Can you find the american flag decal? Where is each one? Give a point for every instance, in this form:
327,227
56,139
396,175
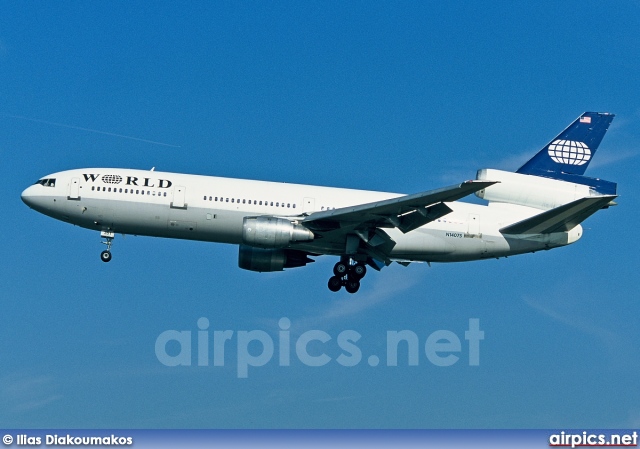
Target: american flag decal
585,119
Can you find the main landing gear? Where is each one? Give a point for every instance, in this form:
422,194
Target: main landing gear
105,255
347,273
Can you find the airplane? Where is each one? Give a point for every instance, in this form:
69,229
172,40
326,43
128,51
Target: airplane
278,225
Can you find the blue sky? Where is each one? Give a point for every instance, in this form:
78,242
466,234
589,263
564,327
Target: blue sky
373,95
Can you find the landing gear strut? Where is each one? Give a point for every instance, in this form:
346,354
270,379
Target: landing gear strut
105,255
347,273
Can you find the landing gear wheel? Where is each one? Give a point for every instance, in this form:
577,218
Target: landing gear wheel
335,283
340,269
105,256
352,286
359,271
108,236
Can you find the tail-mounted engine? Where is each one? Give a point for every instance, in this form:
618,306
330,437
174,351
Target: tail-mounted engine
272,232
529,190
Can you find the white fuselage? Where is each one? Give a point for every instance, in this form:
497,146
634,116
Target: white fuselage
212,209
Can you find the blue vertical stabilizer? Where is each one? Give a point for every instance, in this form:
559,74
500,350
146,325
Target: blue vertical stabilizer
571,151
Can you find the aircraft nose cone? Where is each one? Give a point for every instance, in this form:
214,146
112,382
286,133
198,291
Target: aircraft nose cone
27,196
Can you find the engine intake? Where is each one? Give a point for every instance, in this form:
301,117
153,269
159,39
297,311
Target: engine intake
272,232
263,260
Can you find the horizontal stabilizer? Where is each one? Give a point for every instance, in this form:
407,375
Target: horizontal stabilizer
560,219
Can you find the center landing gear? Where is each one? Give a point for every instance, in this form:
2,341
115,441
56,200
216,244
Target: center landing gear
105,255
347,273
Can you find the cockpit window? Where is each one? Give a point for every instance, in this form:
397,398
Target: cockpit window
50,182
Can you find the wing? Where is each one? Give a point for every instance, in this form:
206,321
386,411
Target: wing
359,229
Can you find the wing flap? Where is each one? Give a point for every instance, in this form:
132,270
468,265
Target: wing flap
422,216
560,219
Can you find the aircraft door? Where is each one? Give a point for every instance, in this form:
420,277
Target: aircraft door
178,198
474,225
74,189
308,205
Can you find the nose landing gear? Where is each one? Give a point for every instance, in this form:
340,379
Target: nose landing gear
347,273
105,255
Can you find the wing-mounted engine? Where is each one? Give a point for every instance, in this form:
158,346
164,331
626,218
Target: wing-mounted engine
263,259
272,232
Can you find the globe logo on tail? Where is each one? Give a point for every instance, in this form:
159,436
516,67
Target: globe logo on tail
569,152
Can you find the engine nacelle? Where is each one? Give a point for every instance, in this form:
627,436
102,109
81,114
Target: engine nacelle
272,232
263,260
529,190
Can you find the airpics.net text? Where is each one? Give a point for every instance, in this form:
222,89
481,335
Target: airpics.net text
257,348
